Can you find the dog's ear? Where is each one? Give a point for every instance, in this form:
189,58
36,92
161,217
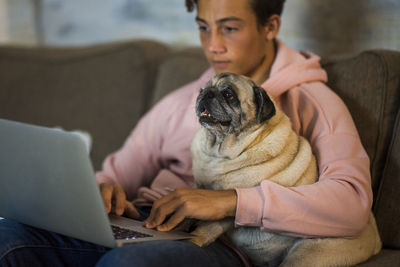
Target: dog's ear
265,108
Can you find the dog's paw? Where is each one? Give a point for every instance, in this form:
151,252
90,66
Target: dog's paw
208,232
201,241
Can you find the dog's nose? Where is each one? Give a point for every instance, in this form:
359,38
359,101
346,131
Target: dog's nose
210,95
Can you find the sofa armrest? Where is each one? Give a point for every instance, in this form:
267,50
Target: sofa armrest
387,257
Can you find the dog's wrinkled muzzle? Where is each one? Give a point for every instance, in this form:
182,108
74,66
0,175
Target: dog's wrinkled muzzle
210,111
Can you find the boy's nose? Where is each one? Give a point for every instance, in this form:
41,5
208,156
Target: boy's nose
216,44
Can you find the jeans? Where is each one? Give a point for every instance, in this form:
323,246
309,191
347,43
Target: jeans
22,245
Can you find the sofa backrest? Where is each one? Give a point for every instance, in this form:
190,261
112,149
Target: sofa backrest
177,69
102,89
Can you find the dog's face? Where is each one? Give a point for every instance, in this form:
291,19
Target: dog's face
229,103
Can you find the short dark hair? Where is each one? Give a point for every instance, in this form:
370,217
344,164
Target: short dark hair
263,9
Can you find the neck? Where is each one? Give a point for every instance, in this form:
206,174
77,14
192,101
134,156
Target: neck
263,71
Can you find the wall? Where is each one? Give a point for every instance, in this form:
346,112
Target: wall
3,21
88,21
342,26
21,22
325,27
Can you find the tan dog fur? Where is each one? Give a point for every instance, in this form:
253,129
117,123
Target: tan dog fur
225,157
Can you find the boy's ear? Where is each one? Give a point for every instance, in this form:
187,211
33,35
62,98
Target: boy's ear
272,27
265,108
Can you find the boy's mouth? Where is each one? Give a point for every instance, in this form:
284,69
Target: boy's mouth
221,64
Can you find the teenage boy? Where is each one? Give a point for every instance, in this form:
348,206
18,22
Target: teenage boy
240,37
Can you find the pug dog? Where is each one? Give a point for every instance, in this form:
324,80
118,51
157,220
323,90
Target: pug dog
244,140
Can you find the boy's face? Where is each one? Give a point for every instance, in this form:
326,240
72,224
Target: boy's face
231,38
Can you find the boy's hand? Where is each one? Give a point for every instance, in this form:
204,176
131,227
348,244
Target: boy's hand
184,203
115,201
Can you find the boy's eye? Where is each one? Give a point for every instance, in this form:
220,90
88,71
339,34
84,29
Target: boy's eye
203,28
228,29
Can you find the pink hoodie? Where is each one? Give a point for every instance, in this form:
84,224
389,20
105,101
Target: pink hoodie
156,156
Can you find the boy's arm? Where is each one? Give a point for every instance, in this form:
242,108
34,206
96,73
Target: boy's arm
135,163
340,202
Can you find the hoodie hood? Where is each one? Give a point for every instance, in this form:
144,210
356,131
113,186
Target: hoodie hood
289,69
292,68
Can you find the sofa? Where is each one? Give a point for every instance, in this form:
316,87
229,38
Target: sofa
104,89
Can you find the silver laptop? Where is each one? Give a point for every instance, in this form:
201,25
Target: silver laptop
47,181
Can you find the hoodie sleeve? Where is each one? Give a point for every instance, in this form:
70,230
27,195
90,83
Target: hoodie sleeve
340,202
157,151
137,162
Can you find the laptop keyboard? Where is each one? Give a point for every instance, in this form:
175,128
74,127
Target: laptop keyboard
123,233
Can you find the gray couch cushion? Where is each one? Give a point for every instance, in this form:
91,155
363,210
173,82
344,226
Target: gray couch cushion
179,68
368,84
102,89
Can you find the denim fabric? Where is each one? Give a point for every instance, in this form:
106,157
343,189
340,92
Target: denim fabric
170,254
22,245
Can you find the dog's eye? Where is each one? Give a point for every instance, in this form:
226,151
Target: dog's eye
227,94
